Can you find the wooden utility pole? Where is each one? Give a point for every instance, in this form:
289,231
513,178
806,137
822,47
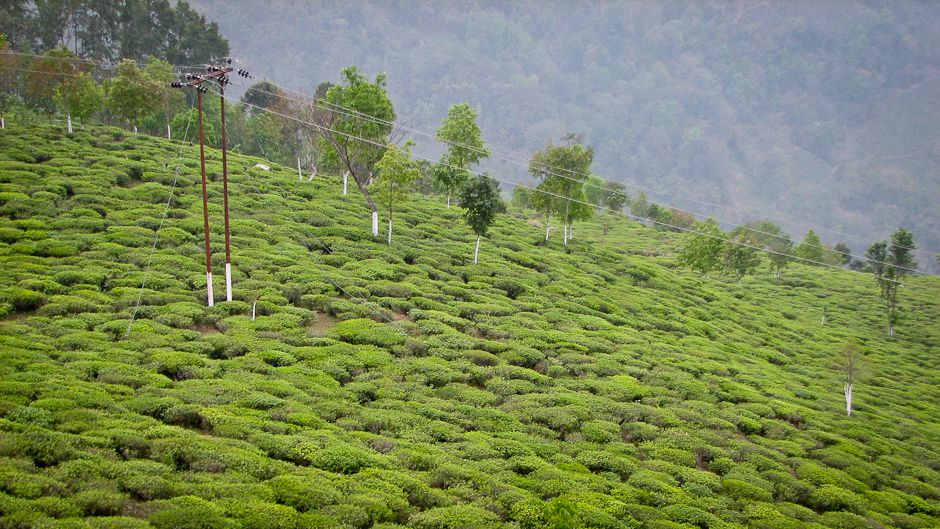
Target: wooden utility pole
217,74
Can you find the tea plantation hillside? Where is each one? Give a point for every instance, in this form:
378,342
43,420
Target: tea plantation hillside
402,386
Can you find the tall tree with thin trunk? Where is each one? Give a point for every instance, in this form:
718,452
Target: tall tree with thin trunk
702,249
850,362
355,142
131,97
563,169
890,264
160,74
465,148
482,202
396,173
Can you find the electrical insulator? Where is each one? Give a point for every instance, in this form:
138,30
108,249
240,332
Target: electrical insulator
176,84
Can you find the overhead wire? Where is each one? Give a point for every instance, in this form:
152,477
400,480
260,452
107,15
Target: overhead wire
555,195
356,114
510,159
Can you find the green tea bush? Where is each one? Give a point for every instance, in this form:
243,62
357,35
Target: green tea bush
189,512
455,517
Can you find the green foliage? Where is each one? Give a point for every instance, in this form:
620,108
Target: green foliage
465,148
380,386
702,249
482,202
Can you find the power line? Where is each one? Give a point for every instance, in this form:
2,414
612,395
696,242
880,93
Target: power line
508,158
156,236
622,213
356,114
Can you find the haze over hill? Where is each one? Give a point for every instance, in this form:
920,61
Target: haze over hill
825,114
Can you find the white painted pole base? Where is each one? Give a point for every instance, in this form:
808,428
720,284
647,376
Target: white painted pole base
848,400
68,119
228,281
209,293
477,251
345,179
375,223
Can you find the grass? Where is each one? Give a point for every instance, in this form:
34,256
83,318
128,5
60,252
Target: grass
403,386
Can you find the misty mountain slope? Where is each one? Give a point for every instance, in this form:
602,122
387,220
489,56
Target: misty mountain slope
751,105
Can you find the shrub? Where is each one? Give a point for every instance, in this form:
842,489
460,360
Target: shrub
304,493
25,300
833,498
363,331
455,517
189,512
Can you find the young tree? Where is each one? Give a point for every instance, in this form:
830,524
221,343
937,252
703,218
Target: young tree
342,130
844,253
449,178
81,97
52,80
563,169
702,249
132,94
396,173
465,146
780,250
850,362
482,202
740,257
890,264
811,249
159,75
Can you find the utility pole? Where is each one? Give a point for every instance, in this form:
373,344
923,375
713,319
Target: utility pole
218,74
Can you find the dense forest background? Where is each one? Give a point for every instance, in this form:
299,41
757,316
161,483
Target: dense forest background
824,115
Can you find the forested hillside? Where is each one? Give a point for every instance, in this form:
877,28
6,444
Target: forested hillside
353,383
823,114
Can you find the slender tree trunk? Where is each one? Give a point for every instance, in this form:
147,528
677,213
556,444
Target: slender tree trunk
168,134
3,123
345,179
68,120
847,389
300,175
448,198
547,228
564,232
570,231
476,252
254,304
389,226
135,129
890,328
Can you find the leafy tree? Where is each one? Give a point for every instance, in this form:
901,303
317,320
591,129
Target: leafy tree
521,197
563,169
639,207
342,132
465,146
482,202
890,264
396,173
82,97
611,197
740,256
50,74
263,94
702,249
449,178
159,75
844,253
780,253
132,94
811,249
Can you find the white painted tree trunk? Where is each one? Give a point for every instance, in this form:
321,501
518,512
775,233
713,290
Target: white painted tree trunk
254,304
313,173
476,252
891,329
375,223
169,135
848,399
448,199
547,228
570,232
300,175
228,281
135,129
3,123
68,119
209,293
389,232
345,179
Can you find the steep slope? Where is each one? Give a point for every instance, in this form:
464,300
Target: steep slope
403,385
